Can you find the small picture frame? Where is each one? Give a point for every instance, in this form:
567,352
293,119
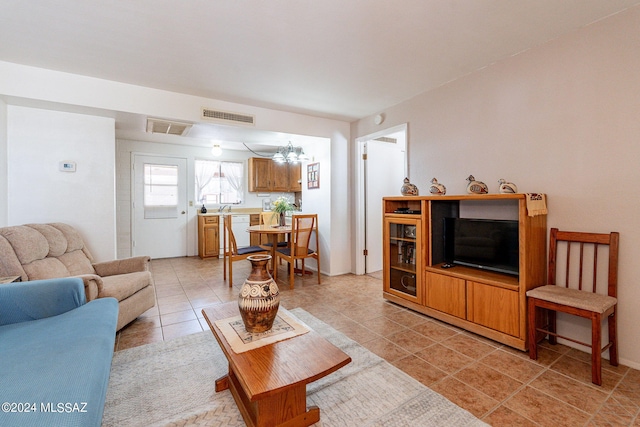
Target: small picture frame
313,176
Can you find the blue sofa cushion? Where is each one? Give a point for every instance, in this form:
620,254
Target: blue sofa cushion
57,367
37,299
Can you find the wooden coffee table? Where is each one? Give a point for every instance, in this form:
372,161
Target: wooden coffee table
269,383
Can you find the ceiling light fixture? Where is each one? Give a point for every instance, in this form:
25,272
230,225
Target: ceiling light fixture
216,150
290,154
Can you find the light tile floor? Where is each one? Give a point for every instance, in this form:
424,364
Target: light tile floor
500,385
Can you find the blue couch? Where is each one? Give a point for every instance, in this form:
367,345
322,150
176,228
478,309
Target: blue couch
55,353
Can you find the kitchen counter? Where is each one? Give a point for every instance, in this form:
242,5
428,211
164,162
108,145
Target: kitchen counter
234,211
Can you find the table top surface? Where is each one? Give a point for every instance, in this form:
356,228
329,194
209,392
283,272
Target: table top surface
270,229
270,369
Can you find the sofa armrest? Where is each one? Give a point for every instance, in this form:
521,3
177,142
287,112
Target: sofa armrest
37,299
92,285
122,266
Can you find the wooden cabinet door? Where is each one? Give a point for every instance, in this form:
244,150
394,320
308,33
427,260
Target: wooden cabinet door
211,241
295,177
279,176
259,174
402,258
208,236
446,294
494,307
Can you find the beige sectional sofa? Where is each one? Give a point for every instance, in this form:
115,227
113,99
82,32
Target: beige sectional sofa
47,251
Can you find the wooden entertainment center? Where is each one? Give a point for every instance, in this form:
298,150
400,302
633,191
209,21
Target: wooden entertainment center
487,303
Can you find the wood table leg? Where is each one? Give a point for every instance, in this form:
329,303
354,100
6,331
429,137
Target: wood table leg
222,383
285,409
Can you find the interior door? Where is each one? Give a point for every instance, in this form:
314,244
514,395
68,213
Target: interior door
160,206
384,173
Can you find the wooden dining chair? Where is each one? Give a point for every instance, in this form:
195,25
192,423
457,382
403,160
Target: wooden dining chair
302,228
579,293
231,251
270,218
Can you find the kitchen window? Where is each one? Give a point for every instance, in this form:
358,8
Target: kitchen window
218,182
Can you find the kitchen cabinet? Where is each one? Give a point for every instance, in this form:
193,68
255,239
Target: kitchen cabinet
265,175
295,177
208,236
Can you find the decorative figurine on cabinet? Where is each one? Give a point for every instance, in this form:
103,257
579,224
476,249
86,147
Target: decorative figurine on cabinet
437,188
476,187
408,189
507,187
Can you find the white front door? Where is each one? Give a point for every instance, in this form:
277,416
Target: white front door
160,206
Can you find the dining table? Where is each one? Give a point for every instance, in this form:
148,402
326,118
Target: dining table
272,232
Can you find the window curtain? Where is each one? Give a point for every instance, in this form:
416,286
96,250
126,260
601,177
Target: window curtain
232,172
205,171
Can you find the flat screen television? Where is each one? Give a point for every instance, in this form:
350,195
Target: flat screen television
487,244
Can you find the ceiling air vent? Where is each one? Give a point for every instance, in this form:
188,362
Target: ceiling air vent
167,127
227,117
386,139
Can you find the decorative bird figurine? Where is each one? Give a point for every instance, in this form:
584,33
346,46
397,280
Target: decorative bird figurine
408,189
507,187
437,188
476,187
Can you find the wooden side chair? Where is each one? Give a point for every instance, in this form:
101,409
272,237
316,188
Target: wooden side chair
579,294
231,251
270,218
302,227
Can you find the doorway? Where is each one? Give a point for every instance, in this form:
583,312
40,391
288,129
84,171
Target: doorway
382,167
159,213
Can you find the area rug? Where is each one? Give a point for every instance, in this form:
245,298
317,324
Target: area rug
171,383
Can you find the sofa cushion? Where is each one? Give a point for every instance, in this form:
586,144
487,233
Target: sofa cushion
74,240
77,263
56,240
9,262
60,359
28,243
47,268
124,285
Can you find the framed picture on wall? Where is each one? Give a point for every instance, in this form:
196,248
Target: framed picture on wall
313,176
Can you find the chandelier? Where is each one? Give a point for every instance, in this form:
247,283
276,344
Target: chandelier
290,154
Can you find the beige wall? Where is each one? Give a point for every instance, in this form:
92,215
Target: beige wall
563,119
38,192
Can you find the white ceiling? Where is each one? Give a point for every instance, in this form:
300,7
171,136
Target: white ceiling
343,59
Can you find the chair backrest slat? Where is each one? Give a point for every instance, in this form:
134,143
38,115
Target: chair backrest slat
593,242
595,267
581,266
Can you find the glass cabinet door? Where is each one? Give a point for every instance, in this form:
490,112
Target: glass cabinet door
403,258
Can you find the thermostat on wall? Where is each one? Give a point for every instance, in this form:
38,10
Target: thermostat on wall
67,166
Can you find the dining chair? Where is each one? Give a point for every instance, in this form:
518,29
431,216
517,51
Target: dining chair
579,294
231,251
302,228
270,218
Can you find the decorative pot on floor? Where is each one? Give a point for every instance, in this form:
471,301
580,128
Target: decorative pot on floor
259,296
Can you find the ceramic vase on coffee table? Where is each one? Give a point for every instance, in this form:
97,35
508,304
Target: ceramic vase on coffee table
259,297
